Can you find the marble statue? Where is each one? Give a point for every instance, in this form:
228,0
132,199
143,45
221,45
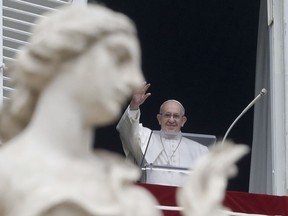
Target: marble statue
82,64
204,191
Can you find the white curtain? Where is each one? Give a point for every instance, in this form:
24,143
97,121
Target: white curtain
261,157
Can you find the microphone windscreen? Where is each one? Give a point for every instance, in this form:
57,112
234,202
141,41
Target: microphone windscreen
263,91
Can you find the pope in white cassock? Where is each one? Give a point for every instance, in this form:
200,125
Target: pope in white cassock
167,148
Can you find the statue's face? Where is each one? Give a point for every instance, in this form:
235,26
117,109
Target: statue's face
112,71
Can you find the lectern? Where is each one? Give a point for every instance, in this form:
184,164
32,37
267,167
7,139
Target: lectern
165,149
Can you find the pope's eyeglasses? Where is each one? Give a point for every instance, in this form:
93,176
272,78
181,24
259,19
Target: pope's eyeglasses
173,115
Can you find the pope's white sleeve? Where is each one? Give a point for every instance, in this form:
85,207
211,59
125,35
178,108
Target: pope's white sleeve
129,130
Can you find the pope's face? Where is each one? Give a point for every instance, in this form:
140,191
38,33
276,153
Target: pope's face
171,118
113,72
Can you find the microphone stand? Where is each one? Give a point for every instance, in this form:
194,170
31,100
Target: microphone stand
262,93
143,158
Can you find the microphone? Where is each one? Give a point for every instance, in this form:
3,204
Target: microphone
262,93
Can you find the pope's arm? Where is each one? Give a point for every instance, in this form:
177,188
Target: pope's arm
133,135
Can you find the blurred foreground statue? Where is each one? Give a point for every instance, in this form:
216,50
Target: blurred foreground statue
204,192
81,66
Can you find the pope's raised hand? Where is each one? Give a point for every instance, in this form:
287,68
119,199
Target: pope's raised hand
139,96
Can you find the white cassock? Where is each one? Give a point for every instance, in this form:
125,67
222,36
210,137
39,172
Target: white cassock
178,151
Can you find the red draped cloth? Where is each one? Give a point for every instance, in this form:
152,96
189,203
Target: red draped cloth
236,201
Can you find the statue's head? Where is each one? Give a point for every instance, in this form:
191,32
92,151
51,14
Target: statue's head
95,47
